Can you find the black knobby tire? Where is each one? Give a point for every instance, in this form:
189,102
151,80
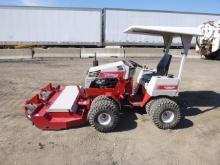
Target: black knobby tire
148,106
104,97
213,55
98,98
107,107
161,108
101,98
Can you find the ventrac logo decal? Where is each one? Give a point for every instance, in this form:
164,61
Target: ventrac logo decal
111,74
167,87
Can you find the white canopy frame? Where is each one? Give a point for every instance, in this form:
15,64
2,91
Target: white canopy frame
186,41
168,33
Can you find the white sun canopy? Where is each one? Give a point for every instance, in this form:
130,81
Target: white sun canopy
163,30
168,32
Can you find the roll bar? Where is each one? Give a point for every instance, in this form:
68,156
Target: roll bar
186,42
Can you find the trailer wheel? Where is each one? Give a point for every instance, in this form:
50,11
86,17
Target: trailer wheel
148,106
210,57
165,113
213,55
104,115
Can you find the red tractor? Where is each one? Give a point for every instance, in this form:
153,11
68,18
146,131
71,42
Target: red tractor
108,88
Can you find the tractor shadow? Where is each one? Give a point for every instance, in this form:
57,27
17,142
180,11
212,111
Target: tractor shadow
192,103
127,120
195,103
198,102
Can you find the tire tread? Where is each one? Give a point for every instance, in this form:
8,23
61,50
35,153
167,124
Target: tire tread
107,106
157,109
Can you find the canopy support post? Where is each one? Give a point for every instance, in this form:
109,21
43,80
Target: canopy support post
186,41
167,42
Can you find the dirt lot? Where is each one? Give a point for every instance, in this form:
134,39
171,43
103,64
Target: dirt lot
135,141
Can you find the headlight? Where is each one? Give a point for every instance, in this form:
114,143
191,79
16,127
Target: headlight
94,74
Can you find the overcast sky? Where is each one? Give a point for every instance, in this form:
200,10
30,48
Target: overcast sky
208,6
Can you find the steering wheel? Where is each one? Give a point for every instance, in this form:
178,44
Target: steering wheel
135,64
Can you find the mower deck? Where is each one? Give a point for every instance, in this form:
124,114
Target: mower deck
57,108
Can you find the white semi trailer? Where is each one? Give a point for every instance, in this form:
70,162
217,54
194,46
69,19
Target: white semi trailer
21,25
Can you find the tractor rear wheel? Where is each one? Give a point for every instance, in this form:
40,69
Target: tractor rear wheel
148,106
165,113
104,115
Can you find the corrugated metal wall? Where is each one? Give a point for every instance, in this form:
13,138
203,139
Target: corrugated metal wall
59,26
117,20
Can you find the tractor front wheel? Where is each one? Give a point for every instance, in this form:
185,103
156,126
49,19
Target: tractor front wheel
104,115
165,113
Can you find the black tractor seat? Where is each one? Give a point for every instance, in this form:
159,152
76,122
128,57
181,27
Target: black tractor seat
162,69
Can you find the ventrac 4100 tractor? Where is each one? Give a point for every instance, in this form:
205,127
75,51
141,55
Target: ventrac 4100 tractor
109,87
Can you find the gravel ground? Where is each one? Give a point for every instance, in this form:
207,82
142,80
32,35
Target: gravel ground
135,141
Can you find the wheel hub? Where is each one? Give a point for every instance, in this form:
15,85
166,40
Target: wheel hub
104,118
167,116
